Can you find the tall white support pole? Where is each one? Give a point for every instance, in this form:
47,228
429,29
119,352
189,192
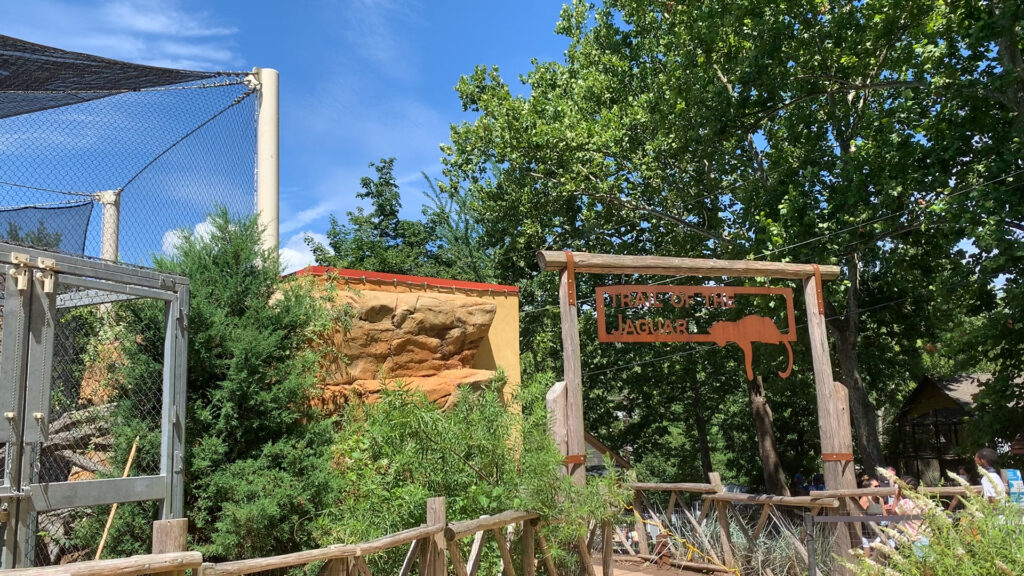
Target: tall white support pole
111,201
267,160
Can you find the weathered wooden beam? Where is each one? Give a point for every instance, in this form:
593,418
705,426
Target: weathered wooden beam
170,536
131,566
545,552
475,553
550,260
456,557
526,542
576,442
702,567
507,568
691,487
607,549
586,563
467,527
803,501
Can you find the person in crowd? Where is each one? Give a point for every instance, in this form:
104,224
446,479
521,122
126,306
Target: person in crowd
872,506
798,488
992,486
818,482
890,501
905,506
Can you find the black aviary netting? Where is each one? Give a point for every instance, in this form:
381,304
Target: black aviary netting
76,130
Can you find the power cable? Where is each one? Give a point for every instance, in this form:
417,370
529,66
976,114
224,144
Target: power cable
818,238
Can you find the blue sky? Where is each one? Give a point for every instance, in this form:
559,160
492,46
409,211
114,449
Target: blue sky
360,79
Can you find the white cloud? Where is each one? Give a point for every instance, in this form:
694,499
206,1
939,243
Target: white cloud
172,238
296,255
158,33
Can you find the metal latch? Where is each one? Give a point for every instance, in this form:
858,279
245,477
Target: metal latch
47,278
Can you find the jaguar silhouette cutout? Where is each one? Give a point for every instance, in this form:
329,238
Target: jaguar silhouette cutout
746,331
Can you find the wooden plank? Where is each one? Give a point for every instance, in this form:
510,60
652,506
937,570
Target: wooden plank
466,527
686,565
557,426
552,260
833,413
670,509
762,521
573,376
798,501
723,532
705,508
506,557
475,553
336,567
585,560
456,557
410,558
549,563
607,550
360,567
434,560
638,525
692,487
591,534
132,566
526,542
169,535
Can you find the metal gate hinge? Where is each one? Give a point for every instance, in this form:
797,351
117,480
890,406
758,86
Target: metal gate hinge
46,263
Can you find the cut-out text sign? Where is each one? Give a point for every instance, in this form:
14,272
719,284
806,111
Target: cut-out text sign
664,314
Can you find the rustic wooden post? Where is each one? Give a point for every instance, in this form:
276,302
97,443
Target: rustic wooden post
573,374
638,524
432,560
557,424
721,512
833,411
607,548
336,567
170,536
529,556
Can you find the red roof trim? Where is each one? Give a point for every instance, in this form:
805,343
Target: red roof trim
366,275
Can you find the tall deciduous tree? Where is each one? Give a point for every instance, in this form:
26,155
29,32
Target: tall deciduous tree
856,134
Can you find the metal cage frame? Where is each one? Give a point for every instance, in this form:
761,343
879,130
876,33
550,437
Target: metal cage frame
30,304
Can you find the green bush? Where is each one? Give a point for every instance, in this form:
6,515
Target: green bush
983,538
265,472
394,454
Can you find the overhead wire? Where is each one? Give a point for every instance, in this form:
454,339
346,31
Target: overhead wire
820,237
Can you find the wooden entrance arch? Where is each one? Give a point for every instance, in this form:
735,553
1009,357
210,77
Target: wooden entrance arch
833,402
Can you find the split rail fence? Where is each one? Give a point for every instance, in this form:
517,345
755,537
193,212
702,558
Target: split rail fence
682,538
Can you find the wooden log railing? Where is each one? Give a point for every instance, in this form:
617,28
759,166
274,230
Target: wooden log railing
133,566
720,505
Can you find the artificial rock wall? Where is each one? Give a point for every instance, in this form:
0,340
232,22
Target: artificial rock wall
434,335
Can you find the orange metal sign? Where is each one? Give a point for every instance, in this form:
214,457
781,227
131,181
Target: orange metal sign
652,327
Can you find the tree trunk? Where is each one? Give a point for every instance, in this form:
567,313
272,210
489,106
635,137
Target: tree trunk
862,411
774,477
702,433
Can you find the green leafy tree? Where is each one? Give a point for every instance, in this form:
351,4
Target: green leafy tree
756,130
443,244
40,237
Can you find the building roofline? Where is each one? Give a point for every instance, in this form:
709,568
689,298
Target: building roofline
396,279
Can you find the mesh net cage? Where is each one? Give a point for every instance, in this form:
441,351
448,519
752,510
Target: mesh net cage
167,146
